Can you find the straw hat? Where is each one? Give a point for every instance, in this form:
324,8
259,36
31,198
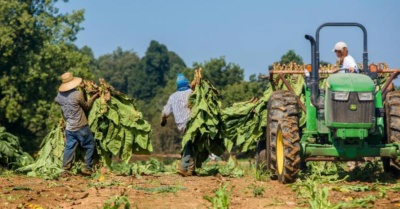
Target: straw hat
69,82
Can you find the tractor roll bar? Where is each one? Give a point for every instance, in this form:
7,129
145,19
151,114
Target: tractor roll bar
350,24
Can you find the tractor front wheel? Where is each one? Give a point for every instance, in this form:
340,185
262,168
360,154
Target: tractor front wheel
392,108
283,140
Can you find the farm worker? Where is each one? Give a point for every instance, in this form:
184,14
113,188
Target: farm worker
77,130
178,105
345,59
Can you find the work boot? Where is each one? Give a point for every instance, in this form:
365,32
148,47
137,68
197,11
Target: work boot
184,173
65,174
189,171
192,167
67,167
86,172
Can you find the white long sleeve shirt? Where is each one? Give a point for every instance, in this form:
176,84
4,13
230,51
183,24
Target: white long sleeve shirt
350,62
178,105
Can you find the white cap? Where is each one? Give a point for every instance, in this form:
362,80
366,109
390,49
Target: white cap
339,46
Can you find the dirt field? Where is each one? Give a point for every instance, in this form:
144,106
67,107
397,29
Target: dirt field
166,191
77,192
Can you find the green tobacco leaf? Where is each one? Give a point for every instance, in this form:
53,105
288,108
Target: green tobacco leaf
128,145
11,154
112,114
121,130
49,161
203,128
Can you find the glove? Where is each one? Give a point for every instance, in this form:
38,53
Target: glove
163,121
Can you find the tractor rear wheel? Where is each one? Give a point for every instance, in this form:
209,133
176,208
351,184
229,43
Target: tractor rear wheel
392,108
283,140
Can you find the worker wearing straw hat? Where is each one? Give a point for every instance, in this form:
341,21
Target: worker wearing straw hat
77,132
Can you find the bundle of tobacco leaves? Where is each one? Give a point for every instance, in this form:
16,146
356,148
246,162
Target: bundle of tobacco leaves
118,127
119,130
245,122
204,128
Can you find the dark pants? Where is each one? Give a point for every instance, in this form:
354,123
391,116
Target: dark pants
187,156
85,139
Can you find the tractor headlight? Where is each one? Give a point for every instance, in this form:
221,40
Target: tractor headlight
365,96
341,96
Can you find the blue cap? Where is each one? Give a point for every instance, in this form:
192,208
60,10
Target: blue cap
182,83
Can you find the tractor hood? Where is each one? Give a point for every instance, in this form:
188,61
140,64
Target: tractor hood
350,82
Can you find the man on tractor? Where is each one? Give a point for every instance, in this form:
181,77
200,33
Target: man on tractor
345,59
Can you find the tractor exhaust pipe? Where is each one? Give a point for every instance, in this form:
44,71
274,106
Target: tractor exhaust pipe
314,79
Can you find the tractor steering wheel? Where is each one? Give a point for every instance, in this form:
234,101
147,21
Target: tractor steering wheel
346,70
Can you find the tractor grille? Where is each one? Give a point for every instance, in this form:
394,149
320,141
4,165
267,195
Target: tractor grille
340,110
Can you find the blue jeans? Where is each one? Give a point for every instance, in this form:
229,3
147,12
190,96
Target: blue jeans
85,139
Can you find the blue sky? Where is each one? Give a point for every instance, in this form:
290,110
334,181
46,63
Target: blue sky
252,34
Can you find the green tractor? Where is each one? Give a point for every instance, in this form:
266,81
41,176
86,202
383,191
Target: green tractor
352,117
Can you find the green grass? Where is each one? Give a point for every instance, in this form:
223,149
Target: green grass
232,168
118,201
221,198
6,172
104,184
161,189
313,184
258,191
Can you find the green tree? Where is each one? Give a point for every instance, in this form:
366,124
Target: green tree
150,71
86,50
291,56
243,91
116,67
153,71
177,65
220,73
36,47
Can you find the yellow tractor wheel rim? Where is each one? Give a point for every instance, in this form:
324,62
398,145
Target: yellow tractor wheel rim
279,151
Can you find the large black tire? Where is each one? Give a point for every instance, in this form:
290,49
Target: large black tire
283,140
392,108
